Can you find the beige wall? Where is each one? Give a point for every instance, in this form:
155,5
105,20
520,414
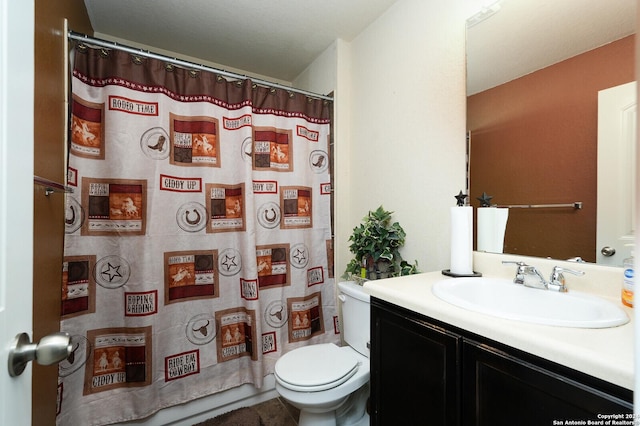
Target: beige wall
400,125
407,125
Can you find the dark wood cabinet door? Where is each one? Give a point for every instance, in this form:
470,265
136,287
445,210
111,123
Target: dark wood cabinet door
415,371
502,389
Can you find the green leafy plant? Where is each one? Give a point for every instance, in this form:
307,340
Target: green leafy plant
376,244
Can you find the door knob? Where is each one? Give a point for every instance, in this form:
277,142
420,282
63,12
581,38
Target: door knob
51,349
608,251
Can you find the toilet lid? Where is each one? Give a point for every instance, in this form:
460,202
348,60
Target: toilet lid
315,367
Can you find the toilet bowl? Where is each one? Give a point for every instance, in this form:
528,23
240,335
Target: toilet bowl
319,380
329,383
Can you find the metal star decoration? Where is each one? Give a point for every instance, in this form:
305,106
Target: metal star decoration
461,197
485,200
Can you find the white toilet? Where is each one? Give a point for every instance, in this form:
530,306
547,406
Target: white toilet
330,384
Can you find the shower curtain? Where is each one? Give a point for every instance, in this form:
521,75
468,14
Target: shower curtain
198,238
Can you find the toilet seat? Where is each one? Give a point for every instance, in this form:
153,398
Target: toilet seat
315,368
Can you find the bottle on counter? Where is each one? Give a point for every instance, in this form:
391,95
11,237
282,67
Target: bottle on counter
628,281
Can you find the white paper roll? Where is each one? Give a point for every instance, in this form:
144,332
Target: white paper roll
462,240
492,224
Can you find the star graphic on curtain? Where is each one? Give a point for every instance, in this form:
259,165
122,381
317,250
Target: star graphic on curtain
112,271
229,262
300,256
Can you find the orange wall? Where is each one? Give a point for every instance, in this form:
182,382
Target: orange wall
534,141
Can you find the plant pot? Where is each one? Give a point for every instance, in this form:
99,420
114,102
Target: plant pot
383,269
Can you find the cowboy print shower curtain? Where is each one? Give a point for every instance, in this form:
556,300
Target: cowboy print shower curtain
198,237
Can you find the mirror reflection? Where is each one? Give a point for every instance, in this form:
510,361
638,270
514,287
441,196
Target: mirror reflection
535,69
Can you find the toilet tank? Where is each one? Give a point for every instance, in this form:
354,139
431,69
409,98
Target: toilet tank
355,316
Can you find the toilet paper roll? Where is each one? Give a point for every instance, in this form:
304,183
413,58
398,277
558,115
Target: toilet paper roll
462,240
492,224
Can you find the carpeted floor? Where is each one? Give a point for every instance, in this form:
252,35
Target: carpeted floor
245,416
274,412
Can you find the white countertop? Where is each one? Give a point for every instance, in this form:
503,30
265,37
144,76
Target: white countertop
606,353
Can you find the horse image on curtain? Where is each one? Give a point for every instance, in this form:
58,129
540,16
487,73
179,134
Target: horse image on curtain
198,238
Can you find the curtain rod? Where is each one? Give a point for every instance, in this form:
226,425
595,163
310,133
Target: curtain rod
113,45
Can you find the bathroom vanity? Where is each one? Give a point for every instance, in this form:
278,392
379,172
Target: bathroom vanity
435,363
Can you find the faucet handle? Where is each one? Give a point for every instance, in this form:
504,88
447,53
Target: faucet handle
520,264
558,270
520,272
557,277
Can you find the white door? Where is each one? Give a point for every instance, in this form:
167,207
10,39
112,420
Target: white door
16,199
616,174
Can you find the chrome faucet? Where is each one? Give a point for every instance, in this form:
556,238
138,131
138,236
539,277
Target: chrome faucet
556,282
529,276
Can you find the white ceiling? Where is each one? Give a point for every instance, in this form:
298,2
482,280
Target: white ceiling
527,35
272,38
278,39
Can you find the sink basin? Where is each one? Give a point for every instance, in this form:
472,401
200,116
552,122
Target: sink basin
502,298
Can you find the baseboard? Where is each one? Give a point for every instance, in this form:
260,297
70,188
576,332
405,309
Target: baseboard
201,409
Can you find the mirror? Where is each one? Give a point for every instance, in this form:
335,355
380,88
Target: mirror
534,70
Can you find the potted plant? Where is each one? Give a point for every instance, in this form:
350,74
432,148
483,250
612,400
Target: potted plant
376,244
